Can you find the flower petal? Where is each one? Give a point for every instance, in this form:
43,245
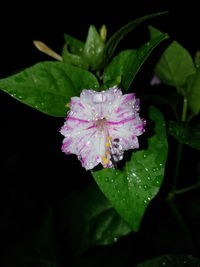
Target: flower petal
100,126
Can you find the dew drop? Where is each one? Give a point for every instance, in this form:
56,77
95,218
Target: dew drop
145,201
149,178
144,156
149,198
154,169
115,239
145,186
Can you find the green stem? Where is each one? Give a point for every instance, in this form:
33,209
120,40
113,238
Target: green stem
180,147
186,189
181,222
184,111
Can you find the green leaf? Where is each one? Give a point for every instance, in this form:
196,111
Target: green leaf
131,190
193,92
120,66
118,36
127,63
185,134
76,46
89,219
73,59
174,66
48,86
94,49
171,260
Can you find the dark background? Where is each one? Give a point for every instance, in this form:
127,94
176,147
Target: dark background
35,174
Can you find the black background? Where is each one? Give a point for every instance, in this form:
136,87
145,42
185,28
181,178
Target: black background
34,172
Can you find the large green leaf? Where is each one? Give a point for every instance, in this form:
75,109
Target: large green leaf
174,66
127,63
193,92
48,86
118,36
171,260
185,134
131,190
94,49
89,218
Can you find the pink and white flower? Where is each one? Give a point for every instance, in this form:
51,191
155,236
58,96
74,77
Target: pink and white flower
100,126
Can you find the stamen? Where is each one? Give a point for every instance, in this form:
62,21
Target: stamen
109,138
105,160
107,144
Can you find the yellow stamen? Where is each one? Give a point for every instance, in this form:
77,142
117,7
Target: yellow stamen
105,160
107,144
109,138
107,152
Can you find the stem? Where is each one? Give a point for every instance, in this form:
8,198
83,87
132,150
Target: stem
177,166
179,148
184,111
173,192
181,222
186,189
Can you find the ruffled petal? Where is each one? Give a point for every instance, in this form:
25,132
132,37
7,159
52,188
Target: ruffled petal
88,144
100,126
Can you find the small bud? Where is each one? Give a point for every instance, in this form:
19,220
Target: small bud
47,50
103,32
67,105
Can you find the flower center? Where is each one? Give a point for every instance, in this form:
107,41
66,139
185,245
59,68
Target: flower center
101,124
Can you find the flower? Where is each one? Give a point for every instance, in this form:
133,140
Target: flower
100,126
